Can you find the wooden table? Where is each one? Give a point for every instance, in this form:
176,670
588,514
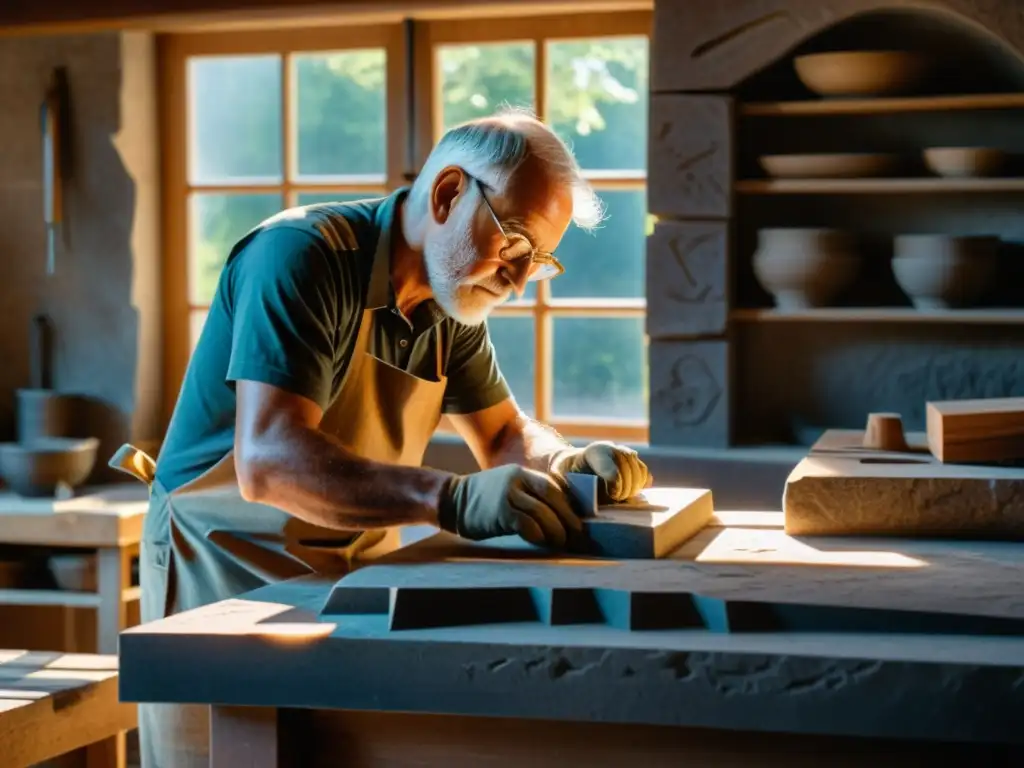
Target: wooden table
53,704
107,519
289,686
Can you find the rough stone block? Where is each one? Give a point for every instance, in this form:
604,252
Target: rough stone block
690,403
687,279
841,489
690,156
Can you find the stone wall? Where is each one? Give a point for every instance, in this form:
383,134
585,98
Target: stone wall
104,295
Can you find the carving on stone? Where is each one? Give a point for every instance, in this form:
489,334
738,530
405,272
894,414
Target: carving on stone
689,393
687,275
690,156
716,46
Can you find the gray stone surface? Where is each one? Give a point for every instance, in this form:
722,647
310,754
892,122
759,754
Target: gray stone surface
953,689
687,279
690,156
834,492
690,400
716,46
104,296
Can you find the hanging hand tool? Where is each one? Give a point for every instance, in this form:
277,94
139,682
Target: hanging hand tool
54,121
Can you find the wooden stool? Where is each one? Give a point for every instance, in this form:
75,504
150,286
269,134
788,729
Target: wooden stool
52,704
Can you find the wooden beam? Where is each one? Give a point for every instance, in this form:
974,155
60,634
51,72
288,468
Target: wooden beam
21,17
971,431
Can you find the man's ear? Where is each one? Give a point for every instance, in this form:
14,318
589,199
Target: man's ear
449,185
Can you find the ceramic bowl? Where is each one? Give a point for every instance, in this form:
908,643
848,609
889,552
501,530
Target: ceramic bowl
862,73
829,166
944,271
964,162
804,268
39,467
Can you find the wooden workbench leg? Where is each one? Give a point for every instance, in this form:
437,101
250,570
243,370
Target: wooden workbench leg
113,577
243,736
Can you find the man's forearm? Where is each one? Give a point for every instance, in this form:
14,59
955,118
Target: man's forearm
531,444
310,475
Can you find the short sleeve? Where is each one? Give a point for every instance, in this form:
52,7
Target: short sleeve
475,381
284,294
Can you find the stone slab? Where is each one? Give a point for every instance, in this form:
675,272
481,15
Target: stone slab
687,279
841,489
690,400
269,648
690,156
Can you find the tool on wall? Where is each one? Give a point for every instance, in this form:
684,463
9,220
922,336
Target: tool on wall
411,161
54,124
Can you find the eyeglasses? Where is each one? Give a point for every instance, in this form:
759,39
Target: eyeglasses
543,265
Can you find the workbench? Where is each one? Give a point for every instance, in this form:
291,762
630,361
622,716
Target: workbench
289,686
105,519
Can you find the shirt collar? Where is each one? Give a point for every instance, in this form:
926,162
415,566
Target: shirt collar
381,293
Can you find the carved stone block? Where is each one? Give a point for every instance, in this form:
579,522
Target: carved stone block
715,46
687,279
690,156
690,403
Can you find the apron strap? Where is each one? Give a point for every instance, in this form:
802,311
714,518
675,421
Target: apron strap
132,461
439,351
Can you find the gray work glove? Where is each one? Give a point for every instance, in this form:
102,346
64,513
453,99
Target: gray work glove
510,500
623,472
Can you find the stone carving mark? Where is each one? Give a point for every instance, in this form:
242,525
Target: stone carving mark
692,392
716,42
691,292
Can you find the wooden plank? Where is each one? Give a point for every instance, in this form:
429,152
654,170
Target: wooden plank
958,102
843,489
53,703
923,185
990,429
105,516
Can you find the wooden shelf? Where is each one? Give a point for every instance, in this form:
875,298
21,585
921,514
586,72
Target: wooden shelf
881,315
926,185
882,106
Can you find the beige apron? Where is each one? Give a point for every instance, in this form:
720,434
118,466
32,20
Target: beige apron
203,542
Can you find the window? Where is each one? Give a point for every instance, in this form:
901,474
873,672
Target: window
254,126
574,349
260,120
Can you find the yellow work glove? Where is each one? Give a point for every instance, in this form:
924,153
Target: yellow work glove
509,500
623,472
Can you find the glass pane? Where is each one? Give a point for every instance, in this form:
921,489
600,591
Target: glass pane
608,262
600,368
309,198
341,113
597,100
235,105
217,222
478,79
513,340
196,321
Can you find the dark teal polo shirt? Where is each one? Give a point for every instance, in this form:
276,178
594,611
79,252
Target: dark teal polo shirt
286,312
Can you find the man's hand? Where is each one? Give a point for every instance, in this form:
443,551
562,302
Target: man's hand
623,472
509,500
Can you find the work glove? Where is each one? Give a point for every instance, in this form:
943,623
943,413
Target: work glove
621,469
510,500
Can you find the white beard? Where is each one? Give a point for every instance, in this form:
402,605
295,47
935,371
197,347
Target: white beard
447,263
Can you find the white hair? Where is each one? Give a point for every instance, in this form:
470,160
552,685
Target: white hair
491,149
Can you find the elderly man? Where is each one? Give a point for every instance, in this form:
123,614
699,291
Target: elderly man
338,336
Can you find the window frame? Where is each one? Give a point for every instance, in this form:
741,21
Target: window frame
174,52
429,126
